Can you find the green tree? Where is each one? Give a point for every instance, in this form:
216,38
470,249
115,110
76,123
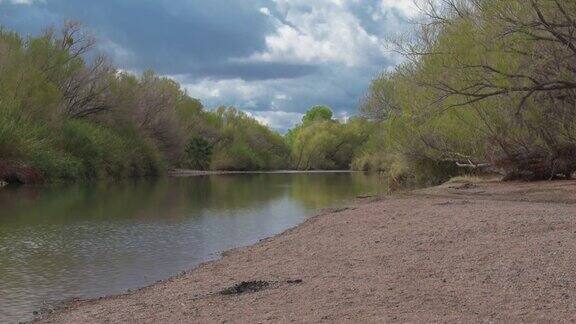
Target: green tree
245,144
317,113
321,142
487,85
197,154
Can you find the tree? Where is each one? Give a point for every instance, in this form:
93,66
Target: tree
488,84
60,56
317,113
197,154
245,144
320,142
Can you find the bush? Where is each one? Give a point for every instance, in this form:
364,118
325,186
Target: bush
105,152
197,154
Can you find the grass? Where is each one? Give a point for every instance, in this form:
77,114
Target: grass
77,149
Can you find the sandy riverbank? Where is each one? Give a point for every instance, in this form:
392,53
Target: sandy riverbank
460,252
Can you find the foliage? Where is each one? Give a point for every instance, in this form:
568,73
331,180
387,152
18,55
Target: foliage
197,154
487,84
245,144
71,117
317,113
321,142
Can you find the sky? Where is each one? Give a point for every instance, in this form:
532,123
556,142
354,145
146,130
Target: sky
271,58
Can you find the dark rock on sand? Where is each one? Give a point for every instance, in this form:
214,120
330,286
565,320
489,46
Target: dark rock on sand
246,287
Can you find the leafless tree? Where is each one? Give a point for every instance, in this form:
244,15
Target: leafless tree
84,86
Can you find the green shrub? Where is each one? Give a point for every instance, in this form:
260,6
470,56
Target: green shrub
105,152
197,154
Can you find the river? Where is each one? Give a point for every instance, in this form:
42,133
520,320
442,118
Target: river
87,240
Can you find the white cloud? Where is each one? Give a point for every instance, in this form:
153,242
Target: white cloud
407,7
238,89
248,96
326,32
22,2
276,119
343,116
337,86
265,11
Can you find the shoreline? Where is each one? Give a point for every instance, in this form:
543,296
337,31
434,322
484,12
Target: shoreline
25,179
177,173
45,314
447,253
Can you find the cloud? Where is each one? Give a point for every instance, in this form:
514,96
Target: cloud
21,2
324,31
254,70
279,120
407,7
235,89
337,86
169,36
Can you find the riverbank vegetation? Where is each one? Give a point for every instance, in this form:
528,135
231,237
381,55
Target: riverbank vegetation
321,142
68,114
486,85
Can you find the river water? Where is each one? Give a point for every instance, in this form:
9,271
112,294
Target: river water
81,241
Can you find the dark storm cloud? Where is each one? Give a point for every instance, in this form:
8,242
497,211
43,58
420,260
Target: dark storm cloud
171,37
251,71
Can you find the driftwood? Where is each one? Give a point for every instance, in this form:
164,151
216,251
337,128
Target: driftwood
526,164
482,167
471,165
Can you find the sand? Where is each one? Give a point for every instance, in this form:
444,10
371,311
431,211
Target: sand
461,252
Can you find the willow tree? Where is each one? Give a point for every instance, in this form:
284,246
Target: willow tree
487,83
321,142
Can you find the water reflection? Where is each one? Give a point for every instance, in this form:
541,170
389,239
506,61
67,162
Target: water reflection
58,242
